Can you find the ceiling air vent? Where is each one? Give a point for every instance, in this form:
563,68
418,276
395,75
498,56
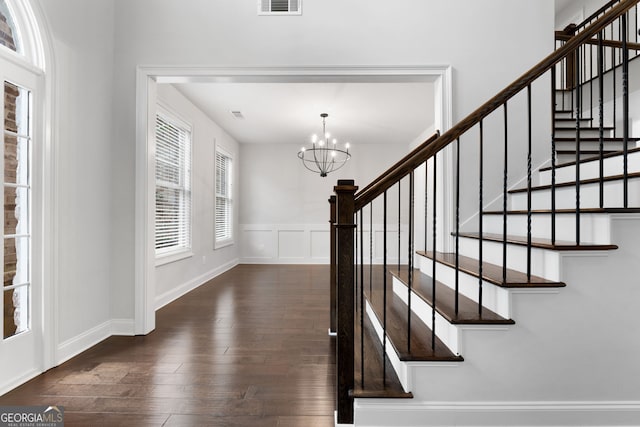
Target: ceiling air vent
279,7
237,114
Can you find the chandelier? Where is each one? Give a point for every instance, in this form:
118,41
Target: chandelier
324,156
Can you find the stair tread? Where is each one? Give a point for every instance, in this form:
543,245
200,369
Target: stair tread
492,273
570,119
397,312
583,152
587,128
445,303
540,243
565,211
377,383
606,156
594,139
573,183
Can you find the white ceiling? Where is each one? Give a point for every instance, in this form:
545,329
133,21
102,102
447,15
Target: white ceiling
289,112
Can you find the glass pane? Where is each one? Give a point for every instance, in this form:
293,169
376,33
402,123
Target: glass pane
16,261
9,35
16,210
16,311
17,135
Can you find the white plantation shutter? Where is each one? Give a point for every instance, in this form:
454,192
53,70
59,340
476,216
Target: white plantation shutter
223,211
173,186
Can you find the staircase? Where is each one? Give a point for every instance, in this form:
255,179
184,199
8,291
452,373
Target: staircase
526,315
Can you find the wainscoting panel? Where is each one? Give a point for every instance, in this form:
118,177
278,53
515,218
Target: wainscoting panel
258,243
320,244
310,243
291,244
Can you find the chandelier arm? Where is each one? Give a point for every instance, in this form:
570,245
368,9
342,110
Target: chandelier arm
315,158
308,168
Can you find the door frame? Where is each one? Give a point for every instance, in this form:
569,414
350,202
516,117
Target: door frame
147,77
38,59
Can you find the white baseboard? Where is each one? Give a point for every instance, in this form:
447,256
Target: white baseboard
192,284
374,412
265,261
15,382
76,345
124,327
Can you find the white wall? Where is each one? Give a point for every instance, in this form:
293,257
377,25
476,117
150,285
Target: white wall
176,278
82,141
467,34
95,115
285,210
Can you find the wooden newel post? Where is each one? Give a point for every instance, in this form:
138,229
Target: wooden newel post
345,192
333,266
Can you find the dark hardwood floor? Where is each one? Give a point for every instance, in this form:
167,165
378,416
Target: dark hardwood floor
249,348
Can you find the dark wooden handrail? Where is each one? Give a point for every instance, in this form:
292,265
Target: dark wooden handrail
606,43
595,15
393,174
430,148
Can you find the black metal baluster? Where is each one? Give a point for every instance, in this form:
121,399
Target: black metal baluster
362,308
355,270
399,211
553,161
426,205
457,224
625,110
433,270
384,289
614,95
578,98
481,214
528,186
410,260
504,196
591,79
601,117
371,250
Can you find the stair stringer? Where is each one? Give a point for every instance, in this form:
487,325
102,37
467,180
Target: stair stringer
570,359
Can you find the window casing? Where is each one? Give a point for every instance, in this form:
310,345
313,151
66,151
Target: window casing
224,201
173,186
279,7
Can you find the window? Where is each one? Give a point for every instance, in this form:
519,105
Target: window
9,34
17,208
224,201
173,186
279,7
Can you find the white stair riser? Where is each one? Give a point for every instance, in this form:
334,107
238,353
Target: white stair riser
564,114
568,130
612,166
544,263
589,196
594,228
399,366
447,332
592,146
494,297
563,100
